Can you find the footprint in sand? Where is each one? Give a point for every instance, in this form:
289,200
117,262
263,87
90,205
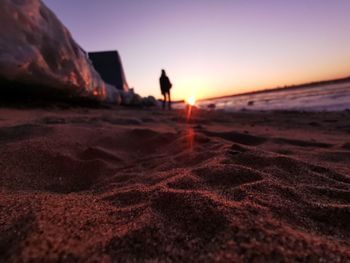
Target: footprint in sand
228,175
240,138
22,132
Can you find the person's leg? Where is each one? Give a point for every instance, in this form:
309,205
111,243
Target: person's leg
169,100
164,100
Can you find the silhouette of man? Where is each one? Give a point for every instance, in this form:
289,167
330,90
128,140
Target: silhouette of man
165,86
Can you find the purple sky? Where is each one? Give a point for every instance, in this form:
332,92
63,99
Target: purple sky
215,47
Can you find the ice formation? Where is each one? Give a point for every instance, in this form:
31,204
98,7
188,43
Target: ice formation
37,49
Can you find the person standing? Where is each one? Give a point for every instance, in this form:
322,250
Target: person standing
165,86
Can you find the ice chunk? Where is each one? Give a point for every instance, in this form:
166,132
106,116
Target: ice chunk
37,49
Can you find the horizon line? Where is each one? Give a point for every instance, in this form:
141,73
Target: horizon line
278,88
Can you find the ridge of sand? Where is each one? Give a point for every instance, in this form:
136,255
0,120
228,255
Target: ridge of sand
124,185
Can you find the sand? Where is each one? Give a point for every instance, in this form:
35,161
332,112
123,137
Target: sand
125,185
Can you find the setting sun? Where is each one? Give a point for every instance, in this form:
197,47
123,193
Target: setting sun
191,101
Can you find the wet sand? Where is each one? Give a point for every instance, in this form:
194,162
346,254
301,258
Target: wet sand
123,185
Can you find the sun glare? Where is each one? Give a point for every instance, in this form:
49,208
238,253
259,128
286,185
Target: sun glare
191,101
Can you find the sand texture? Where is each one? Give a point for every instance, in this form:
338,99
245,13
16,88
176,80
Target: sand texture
119,185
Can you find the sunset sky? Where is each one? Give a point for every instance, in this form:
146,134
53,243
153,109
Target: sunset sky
211,48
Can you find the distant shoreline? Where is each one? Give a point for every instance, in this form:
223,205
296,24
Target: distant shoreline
278,89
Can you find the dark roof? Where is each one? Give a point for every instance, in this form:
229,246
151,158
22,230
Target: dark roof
108,64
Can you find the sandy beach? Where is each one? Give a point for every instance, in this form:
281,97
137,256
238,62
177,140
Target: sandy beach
128,185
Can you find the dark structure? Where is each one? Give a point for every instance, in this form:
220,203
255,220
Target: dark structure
109,65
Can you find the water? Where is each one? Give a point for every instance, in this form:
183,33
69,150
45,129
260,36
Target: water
331,97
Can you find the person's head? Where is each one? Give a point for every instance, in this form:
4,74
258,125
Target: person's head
163,72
